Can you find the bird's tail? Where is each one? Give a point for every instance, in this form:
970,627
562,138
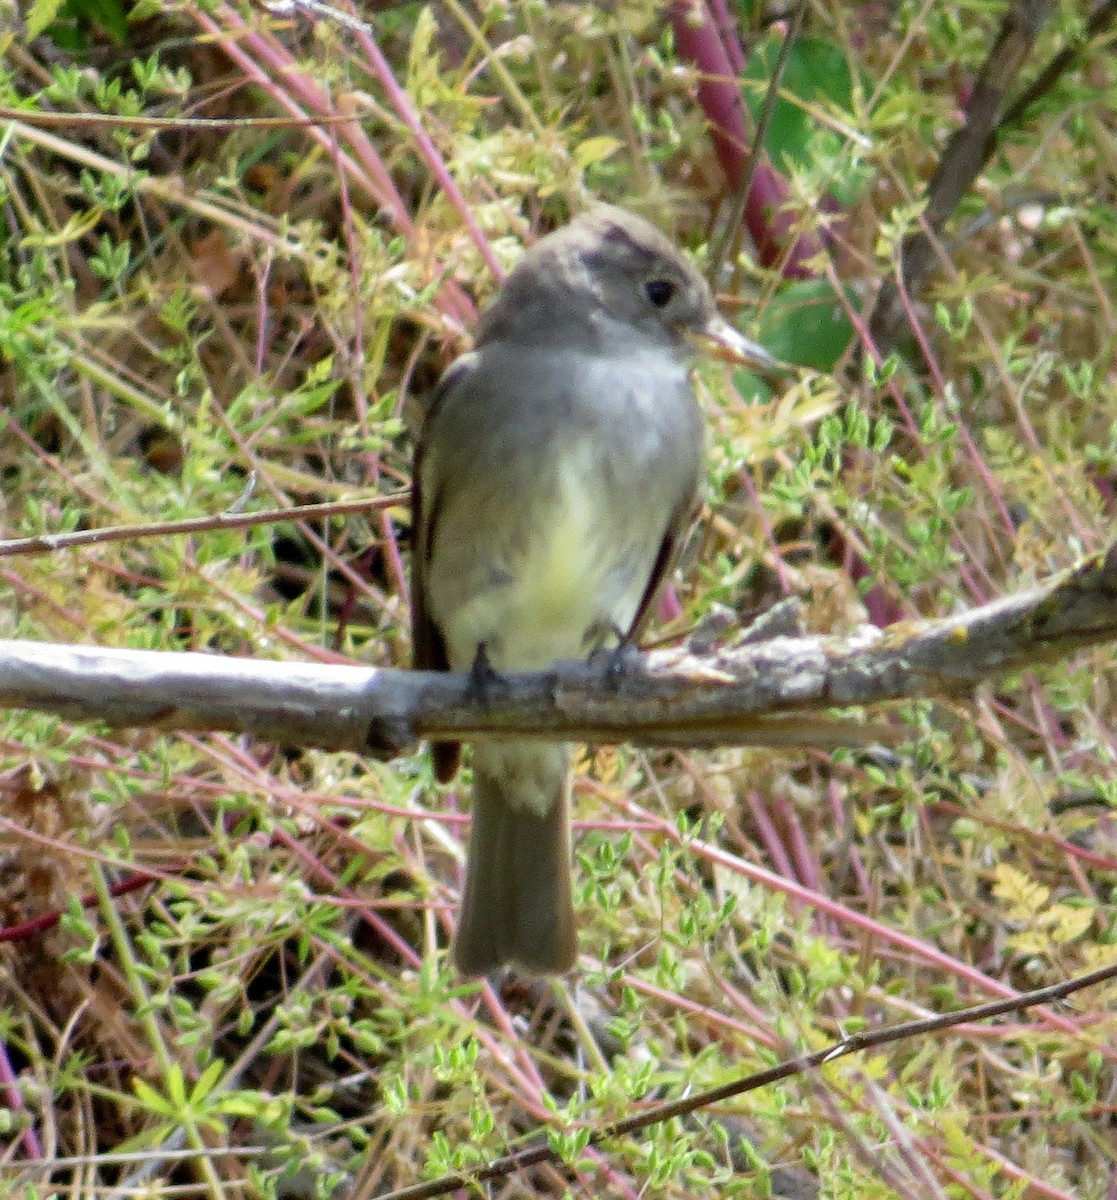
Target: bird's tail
518,906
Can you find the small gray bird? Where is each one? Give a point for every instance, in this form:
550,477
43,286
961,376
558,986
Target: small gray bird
557,473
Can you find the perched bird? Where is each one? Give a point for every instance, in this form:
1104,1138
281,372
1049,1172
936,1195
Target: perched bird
557,473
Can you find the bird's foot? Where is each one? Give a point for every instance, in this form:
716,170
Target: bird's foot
618,662
485,682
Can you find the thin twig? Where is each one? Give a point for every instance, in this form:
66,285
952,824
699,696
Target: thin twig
47,543
731,244
671,1109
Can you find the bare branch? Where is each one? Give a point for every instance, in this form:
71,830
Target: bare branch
988,115
669,1110
746,694
50,543
967,152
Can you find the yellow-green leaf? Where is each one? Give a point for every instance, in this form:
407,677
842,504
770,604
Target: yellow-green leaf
594,150
1026,897
40,15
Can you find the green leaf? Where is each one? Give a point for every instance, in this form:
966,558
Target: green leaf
155,1102
41,14
594,150
109,15
806,324
208,1080
817,81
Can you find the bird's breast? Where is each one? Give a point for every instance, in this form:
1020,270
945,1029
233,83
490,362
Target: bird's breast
548,532
559,570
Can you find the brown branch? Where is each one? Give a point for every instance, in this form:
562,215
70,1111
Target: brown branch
80,120
971,146
968,150
1098,22
762,693
672,1109
48,543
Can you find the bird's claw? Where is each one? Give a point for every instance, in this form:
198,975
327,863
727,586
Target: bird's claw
618,662
485,681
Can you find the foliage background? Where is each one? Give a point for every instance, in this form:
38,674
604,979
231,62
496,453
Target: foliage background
247,991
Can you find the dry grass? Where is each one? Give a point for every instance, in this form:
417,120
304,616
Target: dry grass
197,317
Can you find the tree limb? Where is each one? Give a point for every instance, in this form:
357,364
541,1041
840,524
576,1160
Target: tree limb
763,693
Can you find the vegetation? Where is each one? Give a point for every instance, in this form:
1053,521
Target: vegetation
234,244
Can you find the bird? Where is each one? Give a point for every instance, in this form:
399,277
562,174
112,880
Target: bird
556,474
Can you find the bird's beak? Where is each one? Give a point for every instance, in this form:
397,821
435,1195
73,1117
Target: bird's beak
718,338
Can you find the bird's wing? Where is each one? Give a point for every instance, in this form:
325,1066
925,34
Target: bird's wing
674,538
428,647
428,650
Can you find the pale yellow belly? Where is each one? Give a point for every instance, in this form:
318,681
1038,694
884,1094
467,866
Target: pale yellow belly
575,576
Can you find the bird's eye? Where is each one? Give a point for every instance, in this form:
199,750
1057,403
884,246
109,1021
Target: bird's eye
659,291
